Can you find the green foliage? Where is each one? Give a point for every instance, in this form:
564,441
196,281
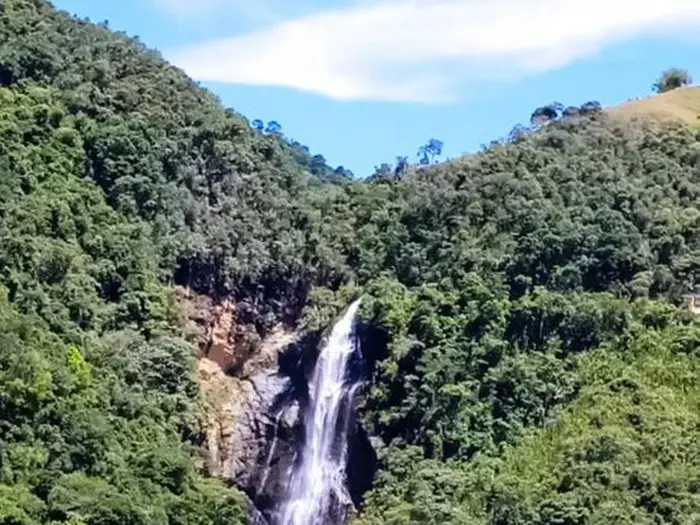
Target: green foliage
529,362
529,262
18,506
97,388
622,452
99,441
672,79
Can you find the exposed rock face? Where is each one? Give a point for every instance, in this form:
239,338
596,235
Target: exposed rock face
220,348
276,435
241,413
252,428
253,390
252,418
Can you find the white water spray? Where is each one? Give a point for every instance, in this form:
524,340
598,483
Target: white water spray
317,485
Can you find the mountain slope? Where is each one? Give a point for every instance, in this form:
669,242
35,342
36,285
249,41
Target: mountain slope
527,375
116,175
521,329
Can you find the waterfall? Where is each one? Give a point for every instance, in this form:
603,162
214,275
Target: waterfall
316,492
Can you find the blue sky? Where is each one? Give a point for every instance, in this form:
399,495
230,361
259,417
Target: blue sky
362,81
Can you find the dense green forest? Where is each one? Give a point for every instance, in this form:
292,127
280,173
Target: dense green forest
529,362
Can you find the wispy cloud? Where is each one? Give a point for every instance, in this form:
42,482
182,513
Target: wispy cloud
428,50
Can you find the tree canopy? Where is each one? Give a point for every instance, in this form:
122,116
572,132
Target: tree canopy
528,356
671,79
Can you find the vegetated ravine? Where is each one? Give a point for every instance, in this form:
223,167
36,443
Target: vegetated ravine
167,268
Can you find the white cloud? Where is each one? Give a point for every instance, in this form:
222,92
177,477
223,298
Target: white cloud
425,50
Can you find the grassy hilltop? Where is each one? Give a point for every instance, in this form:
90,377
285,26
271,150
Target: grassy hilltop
678,104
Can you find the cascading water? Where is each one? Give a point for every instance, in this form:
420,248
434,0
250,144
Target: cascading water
317,486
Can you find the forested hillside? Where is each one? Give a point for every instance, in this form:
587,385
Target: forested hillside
538,369
528,360
118,178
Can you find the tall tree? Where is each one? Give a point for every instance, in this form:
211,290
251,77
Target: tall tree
273,127
429,151
544,114
670,79
400,167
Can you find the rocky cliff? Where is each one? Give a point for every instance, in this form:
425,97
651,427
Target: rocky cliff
251,416
253,389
